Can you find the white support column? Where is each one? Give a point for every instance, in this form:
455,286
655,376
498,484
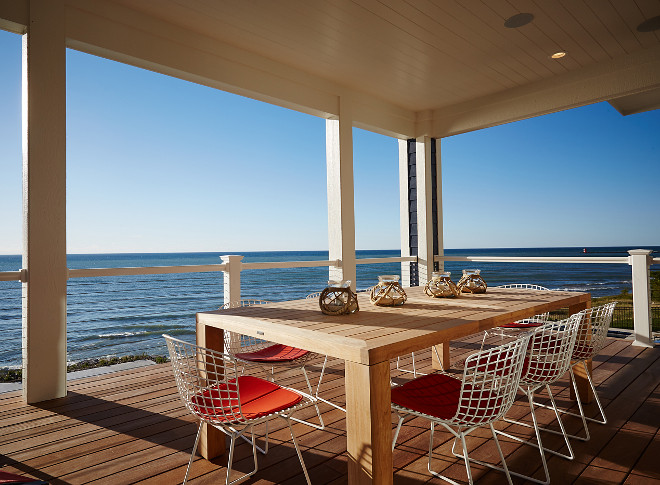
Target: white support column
424,209
440,227
640,260
232,282
44,202
341,200
404,211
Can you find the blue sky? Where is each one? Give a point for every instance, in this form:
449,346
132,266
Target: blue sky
156,164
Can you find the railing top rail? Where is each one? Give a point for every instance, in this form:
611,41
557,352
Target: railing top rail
204,268
395,259
93,272
11,275
290,264
537,259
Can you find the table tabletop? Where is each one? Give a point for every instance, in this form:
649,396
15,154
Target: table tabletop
376,334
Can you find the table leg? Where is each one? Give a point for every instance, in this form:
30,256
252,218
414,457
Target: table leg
442,352
368,423
211,440
586,394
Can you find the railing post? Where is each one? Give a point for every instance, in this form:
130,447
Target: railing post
232,283
640,260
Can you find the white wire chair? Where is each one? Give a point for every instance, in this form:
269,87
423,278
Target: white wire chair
548,358
484,395
590,340
213,390
254,351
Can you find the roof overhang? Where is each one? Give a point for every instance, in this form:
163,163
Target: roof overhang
433,69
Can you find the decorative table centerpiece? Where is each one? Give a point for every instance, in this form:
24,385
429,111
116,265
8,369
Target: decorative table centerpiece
338,299
388,292
472,282
441,285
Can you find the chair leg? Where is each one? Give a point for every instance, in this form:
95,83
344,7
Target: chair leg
263,450
295,443
316,406
457,435
499,450
570,455
593,388
318,386
230,459
192,454
538,444
396,432
582,414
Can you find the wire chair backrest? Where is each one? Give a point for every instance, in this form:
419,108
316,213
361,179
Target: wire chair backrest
313,296
490,382
207,381
550,350
242,303
524,286
592,332
541,317
236,342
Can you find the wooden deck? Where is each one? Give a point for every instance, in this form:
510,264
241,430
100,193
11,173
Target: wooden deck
130,427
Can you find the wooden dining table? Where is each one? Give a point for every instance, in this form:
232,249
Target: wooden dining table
367,340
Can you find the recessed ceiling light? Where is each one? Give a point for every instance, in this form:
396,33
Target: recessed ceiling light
649,25
518,20
558,55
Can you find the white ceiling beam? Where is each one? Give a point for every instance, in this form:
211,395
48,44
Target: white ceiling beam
632,74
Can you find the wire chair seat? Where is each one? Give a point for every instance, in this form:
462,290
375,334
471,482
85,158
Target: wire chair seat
275,353
483,395
212,389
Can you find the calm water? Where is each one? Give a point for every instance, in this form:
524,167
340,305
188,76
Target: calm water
127,314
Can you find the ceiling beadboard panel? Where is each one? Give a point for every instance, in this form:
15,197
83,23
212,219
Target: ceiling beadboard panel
420,54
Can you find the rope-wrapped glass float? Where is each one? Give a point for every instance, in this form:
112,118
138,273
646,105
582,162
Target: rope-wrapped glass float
388,292
472,282
441,285
338,299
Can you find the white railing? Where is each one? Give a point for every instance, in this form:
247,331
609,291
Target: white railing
232,266
640,260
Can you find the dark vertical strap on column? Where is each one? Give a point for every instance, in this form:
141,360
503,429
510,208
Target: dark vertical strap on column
434,202
412,210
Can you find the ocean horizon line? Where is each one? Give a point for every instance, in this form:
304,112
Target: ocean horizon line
589,249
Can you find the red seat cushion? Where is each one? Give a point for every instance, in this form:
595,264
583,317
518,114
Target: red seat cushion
521,325
12,478
433,394
439,395
582,351
274,353
258,398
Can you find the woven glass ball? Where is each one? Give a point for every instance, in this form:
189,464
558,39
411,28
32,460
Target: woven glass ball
441,285
472,282
388,292
338,299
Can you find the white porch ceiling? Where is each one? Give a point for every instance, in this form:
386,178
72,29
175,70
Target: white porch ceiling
407,68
